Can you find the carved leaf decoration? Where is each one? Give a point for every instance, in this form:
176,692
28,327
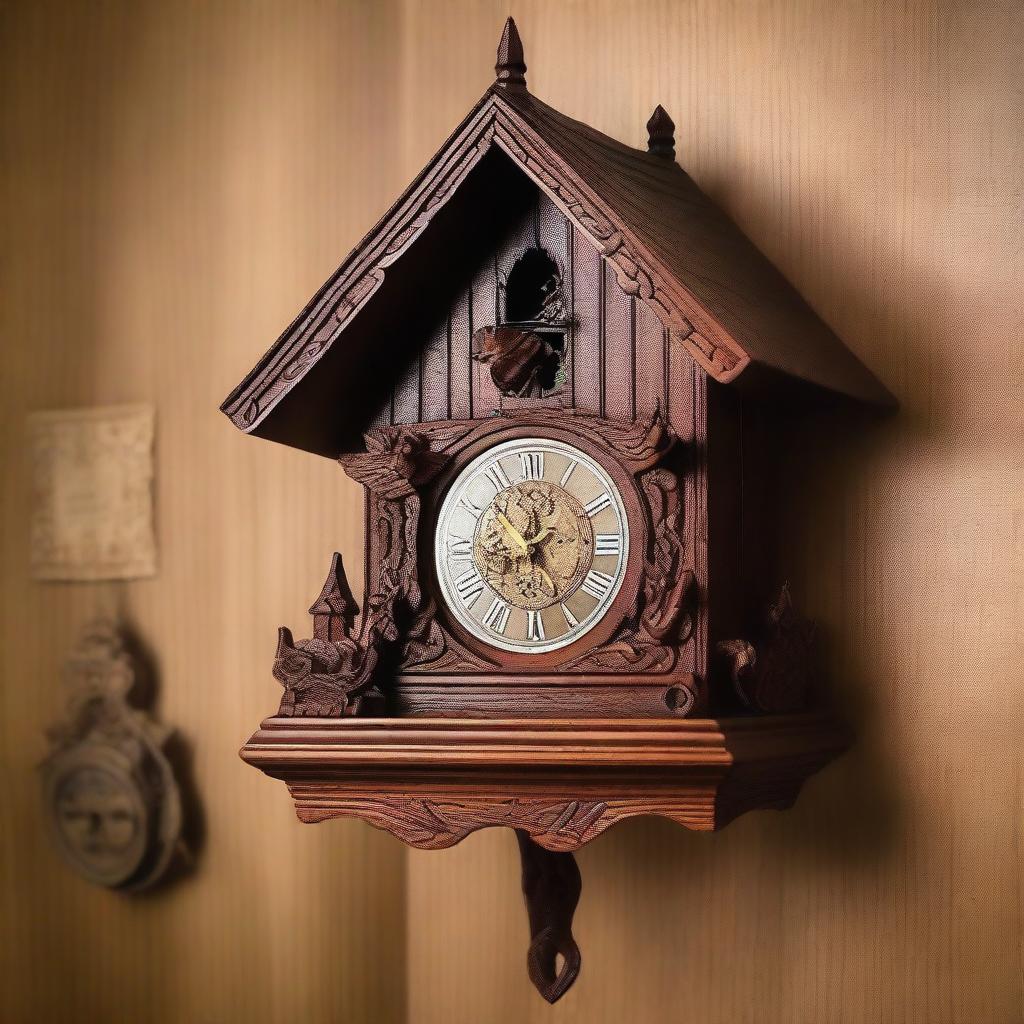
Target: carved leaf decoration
667,582
639,444
625,656
397,460
439,824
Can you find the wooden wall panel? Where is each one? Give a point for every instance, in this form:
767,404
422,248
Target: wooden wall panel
178,178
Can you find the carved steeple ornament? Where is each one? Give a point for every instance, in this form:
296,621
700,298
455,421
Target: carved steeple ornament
510,67
536,390
110,792
661,137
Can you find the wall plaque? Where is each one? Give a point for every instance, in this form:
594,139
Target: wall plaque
109,790
92,495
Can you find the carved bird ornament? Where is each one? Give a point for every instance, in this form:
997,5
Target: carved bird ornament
516,357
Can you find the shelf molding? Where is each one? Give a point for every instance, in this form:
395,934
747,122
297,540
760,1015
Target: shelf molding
432,782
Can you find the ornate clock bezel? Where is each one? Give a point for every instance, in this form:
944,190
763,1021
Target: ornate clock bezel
639,660
622,606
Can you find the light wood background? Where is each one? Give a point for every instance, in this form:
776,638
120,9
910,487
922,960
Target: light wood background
177,178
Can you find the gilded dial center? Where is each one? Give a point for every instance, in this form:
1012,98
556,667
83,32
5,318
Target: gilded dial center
533,544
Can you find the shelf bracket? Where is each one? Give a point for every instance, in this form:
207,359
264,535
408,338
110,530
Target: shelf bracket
551,889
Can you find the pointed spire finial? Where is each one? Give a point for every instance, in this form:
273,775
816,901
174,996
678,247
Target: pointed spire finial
334,611
510,68
661,139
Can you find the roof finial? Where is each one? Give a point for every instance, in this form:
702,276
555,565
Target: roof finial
661,138
511,65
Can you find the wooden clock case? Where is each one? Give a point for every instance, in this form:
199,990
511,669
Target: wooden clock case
541,280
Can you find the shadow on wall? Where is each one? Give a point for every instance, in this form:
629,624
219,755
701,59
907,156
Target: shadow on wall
179,752
749,893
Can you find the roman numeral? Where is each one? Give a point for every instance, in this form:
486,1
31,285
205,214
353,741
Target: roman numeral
496,618
468,506
601,502
607,544
571,621
497,475
597,584
534,626
469,585
532,464
459,549
568,472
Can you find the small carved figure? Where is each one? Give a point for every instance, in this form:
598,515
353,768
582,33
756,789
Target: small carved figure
331,675
517,357
776,675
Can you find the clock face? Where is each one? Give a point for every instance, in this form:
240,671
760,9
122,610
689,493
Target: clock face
531,545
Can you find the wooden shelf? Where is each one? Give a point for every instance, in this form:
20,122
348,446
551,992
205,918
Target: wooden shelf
431,782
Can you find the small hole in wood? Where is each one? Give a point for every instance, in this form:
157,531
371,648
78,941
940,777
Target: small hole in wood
678,699
534,285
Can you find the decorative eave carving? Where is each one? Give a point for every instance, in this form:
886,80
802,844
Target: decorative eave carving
494,120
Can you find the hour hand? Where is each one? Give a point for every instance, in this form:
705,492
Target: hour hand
513,533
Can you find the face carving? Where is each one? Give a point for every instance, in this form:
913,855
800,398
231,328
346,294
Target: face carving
100,820
531,545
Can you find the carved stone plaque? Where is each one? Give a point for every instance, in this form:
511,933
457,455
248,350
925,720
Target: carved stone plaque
110,792
92,500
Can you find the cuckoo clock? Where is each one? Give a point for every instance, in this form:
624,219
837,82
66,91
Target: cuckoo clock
548,366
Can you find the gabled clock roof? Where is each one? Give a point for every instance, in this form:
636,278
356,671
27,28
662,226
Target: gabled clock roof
669,245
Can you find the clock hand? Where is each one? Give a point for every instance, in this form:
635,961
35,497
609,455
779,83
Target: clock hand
540,536
513,533
550,582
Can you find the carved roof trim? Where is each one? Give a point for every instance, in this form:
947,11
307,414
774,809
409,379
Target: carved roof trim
668,244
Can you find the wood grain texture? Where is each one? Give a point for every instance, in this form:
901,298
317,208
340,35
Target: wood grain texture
157,232
433,781
169,195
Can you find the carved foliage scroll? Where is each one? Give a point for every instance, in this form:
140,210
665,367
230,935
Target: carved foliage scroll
663,621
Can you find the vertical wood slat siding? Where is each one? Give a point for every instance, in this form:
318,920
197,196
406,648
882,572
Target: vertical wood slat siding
618,364
460,366
405,399
651,348
434,382
586,323
612,341
483,313
554,231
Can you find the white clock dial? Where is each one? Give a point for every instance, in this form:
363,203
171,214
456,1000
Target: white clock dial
531,545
